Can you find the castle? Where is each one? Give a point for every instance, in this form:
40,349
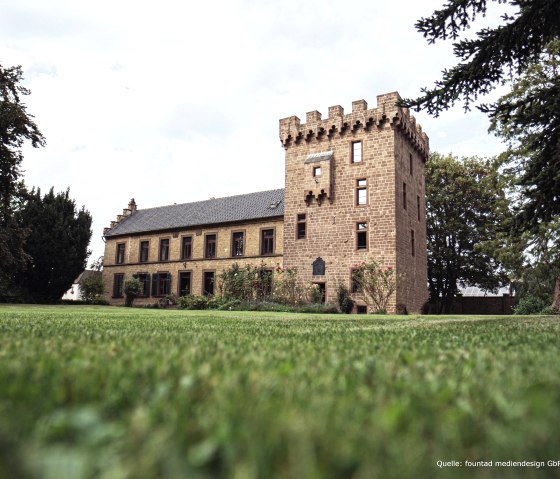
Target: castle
354,191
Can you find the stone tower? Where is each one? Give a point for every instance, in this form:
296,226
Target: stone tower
355,191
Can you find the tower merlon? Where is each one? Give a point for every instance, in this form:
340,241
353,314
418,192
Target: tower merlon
292,131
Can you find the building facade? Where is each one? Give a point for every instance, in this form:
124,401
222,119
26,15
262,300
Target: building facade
354,190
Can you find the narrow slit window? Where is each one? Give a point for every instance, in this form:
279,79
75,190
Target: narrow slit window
404,195
418,207
301,226
361,236
412,242
361,192
411,164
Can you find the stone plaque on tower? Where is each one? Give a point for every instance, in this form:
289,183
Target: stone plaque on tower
319,267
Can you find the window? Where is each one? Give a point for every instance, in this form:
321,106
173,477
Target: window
356,152
412,241
161,284
410,164
316,171
361,236
301,226
237,241
164,249
144,279
120,253
186,247
404,195
361,192
354,286
418,207
267,242
208,283
144,251
118,280
210,246
184,283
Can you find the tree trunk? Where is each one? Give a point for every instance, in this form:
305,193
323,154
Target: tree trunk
556,297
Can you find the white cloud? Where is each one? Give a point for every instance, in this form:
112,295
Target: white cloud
177,101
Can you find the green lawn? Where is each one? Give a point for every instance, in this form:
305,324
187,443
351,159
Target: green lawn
131,393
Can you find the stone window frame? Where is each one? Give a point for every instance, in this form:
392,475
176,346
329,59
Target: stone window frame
179,280
161,240
181,255
205,251
356,192
356,231
118,258
233,232
140,251
203,284
261,230
118,293
351,144
298,222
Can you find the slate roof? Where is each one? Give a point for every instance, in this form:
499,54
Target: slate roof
229,209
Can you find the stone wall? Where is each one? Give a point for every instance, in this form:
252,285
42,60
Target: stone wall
197,264
387,134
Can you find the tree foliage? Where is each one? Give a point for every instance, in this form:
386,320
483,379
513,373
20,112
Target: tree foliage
375,284
57,243
132,289
16,127
92,288
509,51
467,214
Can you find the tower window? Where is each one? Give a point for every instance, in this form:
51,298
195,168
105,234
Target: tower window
361,192
418,207
356,152
412,245
404,195
316,171
410,164
301,230
361,236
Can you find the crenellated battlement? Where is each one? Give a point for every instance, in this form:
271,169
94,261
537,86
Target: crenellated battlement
292,131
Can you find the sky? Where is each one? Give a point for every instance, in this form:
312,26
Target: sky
171,102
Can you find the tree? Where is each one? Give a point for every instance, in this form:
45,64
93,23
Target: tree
495,55
16,127
132,289
467,216
92,289
534,153
57,243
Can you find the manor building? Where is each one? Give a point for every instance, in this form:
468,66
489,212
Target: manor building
354,190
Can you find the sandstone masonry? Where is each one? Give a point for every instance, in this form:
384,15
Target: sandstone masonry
354,191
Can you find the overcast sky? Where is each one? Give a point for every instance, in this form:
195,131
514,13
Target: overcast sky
171,102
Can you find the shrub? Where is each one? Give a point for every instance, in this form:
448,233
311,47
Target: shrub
549,311
401,308
92,289
193,302
375,284
345,303
132,289
287,289
529,304
316,295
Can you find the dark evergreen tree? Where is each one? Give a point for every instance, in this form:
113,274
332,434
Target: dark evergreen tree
57,243
496,55
16,127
